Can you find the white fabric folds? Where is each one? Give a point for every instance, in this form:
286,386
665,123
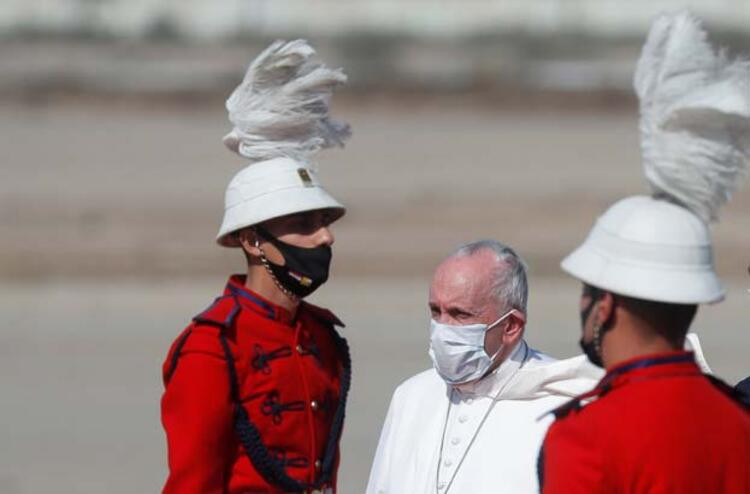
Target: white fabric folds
502,456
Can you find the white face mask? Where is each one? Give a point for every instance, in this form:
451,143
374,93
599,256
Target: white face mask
457,352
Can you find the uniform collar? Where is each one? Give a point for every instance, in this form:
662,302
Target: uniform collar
652,365
250,300
642,368
493,383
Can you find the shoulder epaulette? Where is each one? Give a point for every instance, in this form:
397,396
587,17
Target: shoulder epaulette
567,407
221,312
577,403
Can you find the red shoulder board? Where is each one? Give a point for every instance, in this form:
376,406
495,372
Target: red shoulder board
580,401
566,408
323,315
221,313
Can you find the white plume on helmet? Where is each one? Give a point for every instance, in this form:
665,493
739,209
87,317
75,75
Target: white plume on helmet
695,116
695,139
280,118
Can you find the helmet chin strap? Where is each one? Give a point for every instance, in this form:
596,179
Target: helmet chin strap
598,336
291,296
599,330
593,347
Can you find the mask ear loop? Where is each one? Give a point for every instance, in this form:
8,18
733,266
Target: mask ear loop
598,340
266,264
494,324
500,319
599,328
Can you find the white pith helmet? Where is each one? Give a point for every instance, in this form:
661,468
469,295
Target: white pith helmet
648,249
280,114
695,138
271,189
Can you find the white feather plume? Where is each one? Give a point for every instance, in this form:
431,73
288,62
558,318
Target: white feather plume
281,108
695,116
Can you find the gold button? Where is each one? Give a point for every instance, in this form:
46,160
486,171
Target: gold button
318,464
314,405
300,349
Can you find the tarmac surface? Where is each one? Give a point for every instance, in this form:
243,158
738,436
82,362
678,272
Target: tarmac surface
107,215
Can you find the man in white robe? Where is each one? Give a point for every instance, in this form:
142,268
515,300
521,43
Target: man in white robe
474,423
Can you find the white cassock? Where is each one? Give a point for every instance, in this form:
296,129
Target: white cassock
483,437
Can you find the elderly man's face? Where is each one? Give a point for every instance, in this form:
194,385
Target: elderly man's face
461,294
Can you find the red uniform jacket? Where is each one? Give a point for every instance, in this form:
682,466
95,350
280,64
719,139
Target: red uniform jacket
656,425
254,400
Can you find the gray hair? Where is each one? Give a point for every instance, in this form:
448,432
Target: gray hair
509,285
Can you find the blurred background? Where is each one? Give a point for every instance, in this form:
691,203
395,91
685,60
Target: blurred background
509,119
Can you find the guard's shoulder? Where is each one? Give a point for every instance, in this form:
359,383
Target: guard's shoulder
202,335
323,315
196,339
221,312
567,409
572,408
573,448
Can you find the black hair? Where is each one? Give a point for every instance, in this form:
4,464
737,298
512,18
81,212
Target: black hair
671,321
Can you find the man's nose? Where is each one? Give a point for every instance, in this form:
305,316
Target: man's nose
324,236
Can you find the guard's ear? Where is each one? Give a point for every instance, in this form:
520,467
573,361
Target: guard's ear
249,242
605,308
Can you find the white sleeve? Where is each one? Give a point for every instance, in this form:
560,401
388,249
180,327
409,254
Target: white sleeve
380,473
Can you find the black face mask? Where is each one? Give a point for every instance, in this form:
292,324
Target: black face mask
304,269
589,347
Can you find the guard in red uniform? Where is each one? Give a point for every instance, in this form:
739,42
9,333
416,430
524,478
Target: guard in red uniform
655,424
256,385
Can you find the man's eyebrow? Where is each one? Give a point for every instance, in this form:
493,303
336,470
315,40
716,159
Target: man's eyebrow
458,308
